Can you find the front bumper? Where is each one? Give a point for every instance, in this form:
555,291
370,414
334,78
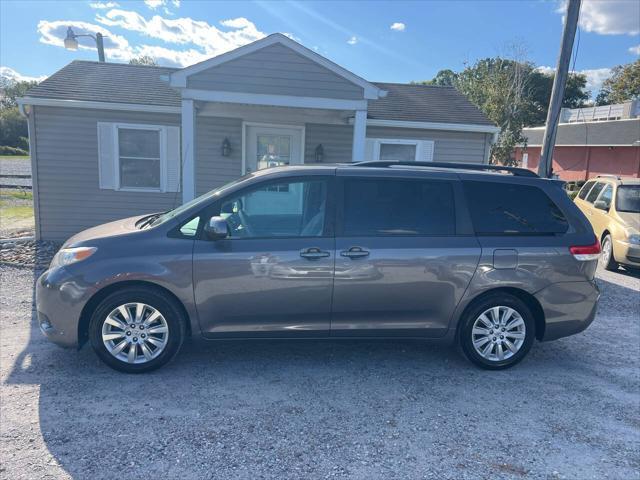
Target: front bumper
626,253
60,299
569,308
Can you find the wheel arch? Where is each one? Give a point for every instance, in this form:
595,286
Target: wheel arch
528,299
94,301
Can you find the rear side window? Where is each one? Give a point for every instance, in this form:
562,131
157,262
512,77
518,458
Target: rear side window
595,191
381,207
585,189
506,209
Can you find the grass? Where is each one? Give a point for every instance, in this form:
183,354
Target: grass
17,194
14,157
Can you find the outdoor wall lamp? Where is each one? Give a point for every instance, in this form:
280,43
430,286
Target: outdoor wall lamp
319,153
226,147
71,42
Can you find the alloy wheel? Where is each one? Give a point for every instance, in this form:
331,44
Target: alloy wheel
498,333
135,333
606,251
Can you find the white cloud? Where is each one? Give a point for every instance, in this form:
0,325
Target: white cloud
635,50
209,39
398,26
153,4
595,77
353,40
103,5
608,17
53,33
8,74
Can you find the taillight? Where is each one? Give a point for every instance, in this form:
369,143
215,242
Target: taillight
584,253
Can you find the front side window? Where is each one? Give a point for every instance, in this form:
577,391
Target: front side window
628,198
294,208
508,209
139,162
384,207
595,191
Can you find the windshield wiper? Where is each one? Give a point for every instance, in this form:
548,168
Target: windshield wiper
148,220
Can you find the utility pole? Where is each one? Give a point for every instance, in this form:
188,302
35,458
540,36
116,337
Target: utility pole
545,168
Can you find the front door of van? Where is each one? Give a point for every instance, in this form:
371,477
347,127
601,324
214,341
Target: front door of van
273,276
401,265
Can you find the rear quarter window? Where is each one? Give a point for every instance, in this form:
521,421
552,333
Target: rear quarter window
509,209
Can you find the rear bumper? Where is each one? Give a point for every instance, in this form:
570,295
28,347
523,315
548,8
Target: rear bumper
569,308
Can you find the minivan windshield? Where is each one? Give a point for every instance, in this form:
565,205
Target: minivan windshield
628,198
201,200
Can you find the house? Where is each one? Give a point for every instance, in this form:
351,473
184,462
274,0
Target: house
113,140
589,142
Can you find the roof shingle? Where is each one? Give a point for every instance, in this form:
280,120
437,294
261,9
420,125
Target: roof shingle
143,85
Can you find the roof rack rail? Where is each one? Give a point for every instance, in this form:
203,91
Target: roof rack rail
617,177
516,171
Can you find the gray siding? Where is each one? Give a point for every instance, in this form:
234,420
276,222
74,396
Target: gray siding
212,169
275,70
449,146
336,141
69,199
615,132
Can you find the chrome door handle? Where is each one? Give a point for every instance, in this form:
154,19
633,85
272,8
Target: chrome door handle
355,252
313,253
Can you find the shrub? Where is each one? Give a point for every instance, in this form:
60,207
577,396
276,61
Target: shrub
6,150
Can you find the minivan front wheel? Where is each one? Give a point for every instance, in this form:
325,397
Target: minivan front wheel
136,330
497,332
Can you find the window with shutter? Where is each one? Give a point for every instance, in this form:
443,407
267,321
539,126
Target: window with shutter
135,157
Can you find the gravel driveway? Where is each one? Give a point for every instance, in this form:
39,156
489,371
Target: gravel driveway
324,409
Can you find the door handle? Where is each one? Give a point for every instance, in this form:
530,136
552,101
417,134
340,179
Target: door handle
313,253
355,252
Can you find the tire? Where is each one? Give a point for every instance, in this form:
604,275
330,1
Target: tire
484,307
162,335
607,259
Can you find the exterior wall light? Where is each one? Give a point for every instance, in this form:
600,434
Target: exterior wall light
226,147
319,153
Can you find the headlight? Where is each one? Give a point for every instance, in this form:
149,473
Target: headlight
634,238
67,256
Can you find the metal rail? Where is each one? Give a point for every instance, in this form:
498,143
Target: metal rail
516,171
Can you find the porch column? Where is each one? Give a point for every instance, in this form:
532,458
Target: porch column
359,136
188,150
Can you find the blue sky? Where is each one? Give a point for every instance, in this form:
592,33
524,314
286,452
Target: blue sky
382,41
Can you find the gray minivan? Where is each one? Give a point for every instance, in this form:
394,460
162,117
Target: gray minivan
490,258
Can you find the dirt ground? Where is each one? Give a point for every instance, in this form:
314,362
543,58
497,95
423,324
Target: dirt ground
323,409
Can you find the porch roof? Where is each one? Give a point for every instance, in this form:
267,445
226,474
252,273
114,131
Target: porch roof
146,85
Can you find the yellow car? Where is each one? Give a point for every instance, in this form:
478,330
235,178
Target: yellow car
612,205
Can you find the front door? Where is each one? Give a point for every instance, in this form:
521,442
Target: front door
401,267
272,146
273,276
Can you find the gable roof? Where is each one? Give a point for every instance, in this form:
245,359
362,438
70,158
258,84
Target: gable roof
179,77
425,103
118,83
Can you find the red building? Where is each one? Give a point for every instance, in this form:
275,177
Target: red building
590,141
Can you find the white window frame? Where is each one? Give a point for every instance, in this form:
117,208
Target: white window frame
162,138
419,144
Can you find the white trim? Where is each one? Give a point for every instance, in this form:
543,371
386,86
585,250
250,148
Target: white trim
179,78
302,129
128,107
458,127
359,136
188,150
274,100
162,132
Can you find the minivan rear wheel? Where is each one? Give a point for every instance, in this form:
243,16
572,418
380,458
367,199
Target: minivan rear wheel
136,330
497,332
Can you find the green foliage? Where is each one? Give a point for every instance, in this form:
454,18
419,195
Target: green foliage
622,85
9,91
11,151
143,60
444,78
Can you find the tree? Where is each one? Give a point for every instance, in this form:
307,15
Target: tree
10,90
143,60
539,93
622,85
444,78
13,126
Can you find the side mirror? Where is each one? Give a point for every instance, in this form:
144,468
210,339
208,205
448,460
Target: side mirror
601,205
216,228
